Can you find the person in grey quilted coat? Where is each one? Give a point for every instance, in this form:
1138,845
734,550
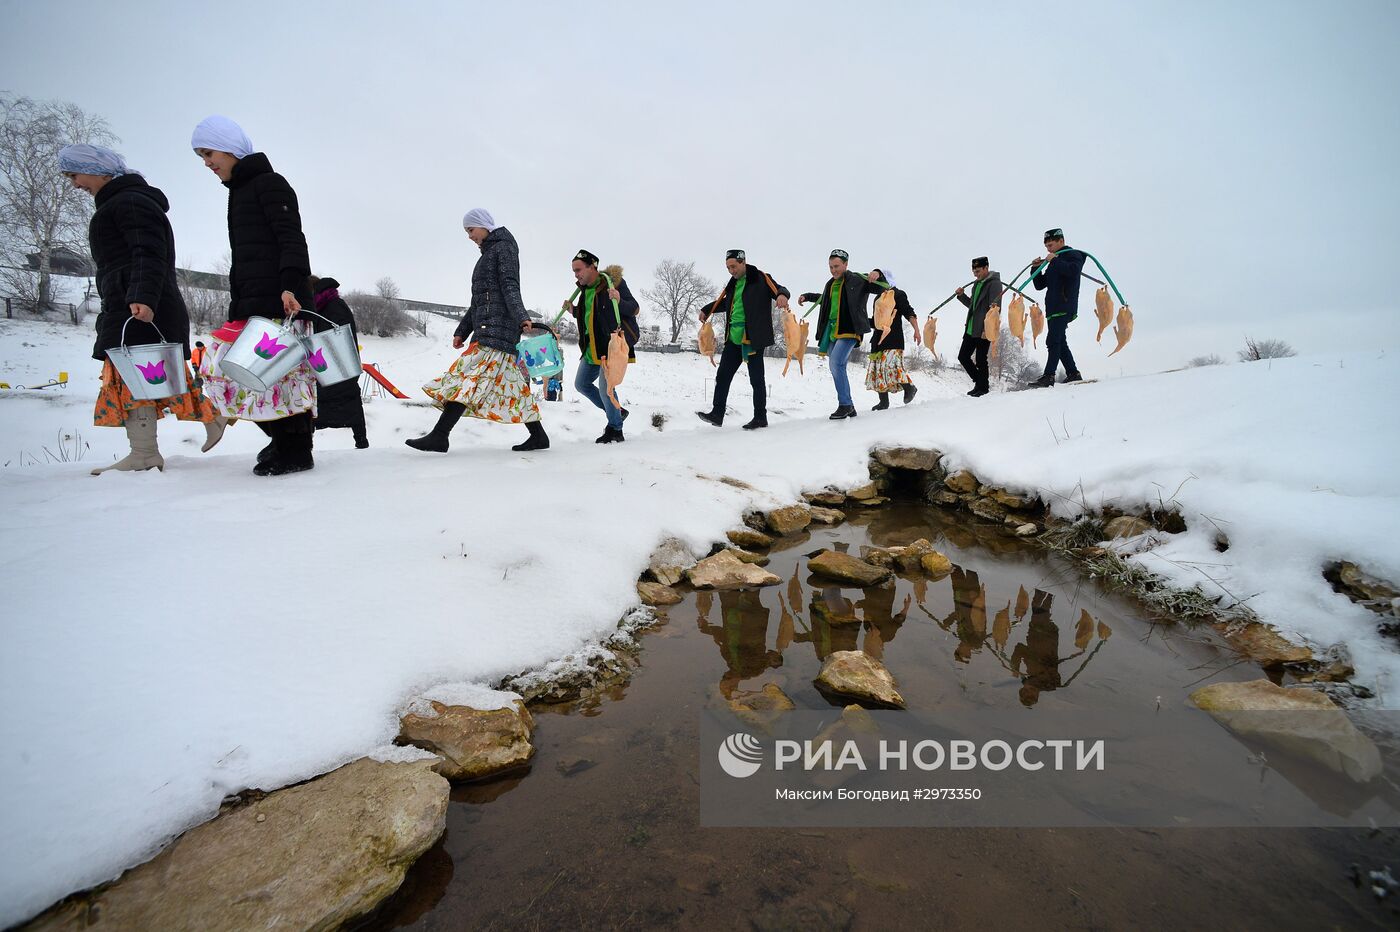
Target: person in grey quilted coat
487,381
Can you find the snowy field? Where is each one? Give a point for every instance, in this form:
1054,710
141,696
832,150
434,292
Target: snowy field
174,637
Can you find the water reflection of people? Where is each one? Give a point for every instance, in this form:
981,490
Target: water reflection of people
834,622
969,613
881,621
1040,653
742,637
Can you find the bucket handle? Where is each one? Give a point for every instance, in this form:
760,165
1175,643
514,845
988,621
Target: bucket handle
153,324
307,310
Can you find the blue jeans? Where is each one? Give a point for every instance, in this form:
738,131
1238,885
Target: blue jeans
1057,348
591,383
840,352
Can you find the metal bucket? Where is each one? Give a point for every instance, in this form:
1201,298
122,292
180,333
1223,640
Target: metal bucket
151,371
263,354
332,354
541,355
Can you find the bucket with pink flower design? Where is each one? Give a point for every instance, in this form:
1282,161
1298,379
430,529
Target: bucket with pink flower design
263,354
151,371
333,354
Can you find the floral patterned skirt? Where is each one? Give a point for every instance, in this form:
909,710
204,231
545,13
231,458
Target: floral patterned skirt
490,383
114,401
884,371
294,394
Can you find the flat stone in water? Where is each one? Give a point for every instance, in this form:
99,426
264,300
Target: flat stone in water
312,856
1318,729
473,743
855,674
843,567
789,519
749,538
748,556
726,571
655,594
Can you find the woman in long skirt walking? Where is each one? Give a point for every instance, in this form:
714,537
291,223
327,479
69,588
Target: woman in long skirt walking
133,248
487,380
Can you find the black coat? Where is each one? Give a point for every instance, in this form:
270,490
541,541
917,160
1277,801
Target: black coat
855,293
497,310
1060,281
760,291
988,295
903,311
133,248
264,233
337,405
605,321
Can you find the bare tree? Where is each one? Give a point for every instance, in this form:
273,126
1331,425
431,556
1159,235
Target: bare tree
1265,349
678,294
1012,360
1196,362
41,213
387,289
377,314
207,306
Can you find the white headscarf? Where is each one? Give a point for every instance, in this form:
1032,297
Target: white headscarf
889,276
479,217
83,159
222,135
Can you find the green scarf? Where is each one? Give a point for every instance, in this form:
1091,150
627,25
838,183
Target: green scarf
972,309
737,321
833,315
589,293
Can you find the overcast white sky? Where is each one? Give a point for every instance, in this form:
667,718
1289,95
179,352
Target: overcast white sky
1232,163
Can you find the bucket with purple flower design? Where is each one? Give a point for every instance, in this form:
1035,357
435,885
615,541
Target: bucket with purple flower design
150,371
332,354
263,354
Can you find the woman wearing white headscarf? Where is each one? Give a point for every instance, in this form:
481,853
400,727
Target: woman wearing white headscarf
133,248
884,367
269,278
487,381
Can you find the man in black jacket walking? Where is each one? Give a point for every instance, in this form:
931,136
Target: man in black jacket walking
747,301
986,293
1060,282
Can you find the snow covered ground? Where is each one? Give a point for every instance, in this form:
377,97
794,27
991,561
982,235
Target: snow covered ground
170,638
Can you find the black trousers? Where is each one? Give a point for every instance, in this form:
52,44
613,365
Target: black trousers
973,356
728,365
1057,347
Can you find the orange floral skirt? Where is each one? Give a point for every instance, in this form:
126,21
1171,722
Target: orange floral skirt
490,384
114,401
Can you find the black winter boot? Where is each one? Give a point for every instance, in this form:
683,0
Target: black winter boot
842,412
884,402
759,422
711,417
910,390
539,440
292,444
435,440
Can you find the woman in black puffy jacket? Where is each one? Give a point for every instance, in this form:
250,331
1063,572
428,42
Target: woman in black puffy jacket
269,278
133,248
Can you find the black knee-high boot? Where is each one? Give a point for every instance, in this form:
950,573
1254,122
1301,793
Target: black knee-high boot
435,440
